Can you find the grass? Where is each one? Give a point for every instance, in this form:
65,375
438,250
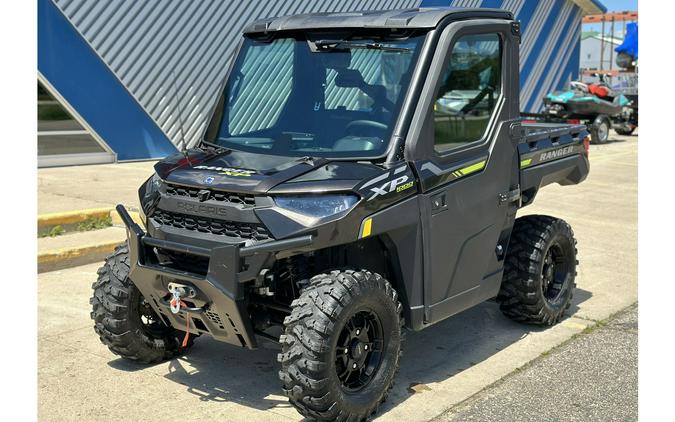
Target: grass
94,223
53,232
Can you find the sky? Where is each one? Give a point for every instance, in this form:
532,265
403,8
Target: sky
613,6
620,5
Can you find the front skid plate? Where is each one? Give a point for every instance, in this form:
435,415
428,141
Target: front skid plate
223,314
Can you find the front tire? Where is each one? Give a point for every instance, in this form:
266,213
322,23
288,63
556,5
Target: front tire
539,270
341,346
124,321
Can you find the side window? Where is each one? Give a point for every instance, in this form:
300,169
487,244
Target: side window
468,90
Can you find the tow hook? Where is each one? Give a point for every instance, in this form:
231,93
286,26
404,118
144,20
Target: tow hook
179,291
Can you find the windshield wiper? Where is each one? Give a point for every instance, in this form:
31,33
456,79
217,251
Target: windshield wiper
328,45
218,148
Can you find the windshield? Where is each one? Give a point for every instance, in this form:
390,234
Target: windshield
331,96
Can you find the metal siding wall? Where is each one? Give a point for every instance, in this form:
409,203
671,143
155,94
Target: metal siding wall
145,43
77,74
549,49
558,63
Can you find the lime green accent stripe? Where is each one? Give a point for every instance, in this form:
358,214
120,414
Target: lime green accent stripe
472,168
525,163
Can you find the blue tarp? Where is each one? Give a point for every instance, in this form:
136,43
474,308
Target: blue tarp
630,43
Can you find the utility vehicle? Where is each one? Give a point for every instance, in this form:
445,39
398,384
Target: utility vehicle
360,174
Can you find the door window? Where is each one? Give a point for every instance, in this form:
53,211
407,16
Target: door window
469,88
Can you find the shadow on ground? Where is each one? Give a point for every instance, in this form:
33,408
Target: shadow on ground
214,371
612,141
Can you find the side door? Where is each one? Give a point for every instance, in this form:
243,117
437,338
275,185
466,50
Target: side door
467,164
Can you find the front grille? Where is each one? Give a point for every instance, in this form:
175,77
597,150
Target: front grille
186,262
230,197
210,225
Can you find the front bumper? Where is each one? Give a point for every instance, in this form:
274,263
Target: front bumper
219,307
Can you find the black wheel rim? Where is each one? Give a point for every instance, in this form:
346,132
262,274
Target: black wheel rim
151,323
358,353
555,273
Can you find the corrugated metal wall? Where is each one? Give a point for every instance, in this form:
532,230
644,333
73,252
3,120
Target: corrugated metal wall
145,43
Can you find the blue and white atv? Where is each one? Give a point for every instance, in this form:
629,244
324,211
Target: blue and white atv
596,104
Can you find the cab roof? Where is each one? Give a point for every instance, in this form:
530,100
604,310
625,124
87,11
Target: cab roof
423,18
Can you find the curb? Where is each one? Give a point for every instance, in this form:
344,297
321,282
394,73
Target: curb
117,221
69,218
58,259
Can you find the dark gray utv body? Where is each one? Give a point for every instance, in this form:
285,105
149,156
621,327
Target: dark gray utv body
435,223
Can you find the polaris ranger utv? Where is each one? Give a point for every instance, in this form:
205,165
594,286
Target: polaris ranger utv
360,174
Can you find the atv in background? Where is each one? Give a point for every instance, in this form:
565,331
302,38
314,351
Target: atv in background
594,104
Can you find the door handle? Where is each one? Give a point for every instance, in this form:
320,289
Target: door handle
438,202
510,196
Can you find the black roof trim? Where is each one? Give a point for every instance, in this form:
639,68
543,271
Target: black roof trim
379,19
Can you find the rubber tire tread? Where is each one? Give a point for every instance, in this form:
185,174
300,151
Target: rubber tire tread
595,136
114,322
520,297
306,351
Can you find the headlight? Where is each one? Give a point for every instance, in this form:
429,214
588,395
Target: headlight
308,210
148,194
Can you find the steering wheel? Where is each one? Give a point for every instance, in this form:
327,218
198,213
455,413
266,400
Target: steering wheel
372,124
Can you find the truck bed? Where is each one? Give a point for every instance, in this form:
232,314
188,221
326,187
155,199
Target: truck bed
550,153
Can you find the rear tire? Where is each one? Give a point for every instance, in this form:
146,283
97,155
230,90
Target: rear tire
600,129
539,271
341,346
124,321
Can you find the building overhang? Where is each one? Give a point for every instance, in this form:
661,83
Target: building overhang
591,7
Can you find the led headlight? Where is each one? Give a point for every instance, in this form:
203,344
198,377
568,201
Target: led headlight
308,209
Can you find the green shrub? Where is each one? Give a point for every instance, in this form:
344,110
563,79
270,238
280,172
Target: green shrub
54,231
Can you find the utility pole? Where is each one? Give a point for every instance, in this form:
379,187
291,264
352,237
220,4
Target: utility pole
602,46
611,49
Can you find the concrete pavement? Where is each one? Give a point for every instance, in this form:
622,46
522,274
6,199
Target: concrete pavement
82,187
594,377
442,366
78,248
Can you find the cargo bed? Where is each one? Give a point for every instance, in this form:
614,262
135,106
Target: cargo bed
551,153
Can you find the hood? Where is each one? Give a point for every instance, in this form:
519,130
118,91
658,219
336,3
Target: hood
246,172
